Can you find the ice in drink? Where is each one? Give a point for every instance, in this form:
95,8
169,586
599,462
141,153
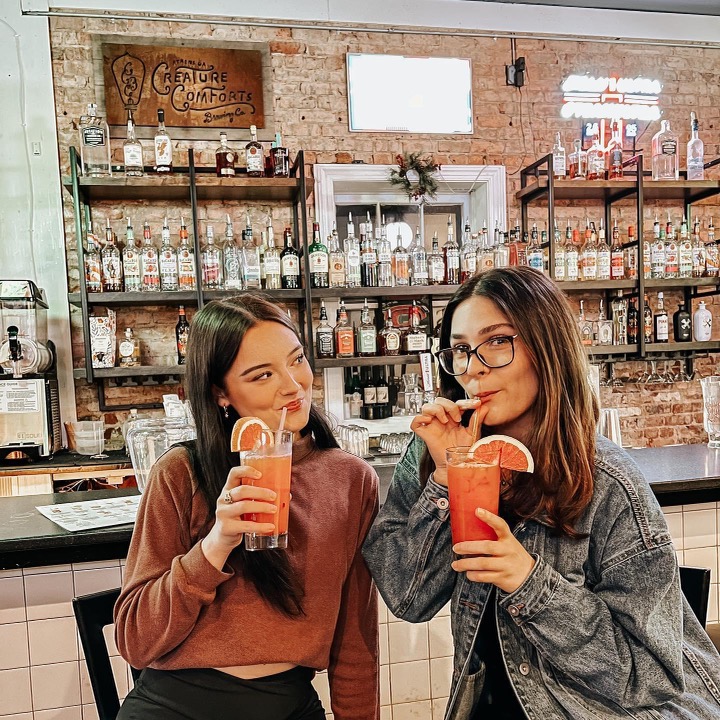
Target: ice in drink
471,485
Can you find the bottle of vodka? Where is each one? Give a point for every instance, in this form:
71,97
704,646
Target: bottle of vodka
250,258
384,255
273,280
212,265
418,261
352,255
695,152
232,259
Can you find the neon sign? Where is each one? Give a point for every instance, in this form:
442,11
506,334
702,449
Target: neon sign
611,98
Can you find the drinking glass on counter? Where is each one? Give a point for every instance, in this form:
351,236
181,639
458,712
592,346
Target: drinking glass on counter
609,425
711,409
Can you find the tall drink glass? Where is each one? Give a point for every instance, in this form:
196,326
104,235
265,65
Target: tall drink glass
471,484
711,409
274,461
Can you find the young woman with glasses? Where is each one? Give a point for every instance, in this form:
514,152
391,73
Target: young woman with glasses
575,611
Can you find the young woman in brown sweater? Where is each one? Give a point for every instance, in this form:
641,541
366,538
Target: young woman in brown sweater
221,632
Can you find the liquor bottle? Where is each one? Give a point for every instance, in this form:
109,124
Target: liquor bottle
603,255
682,325
500,253
181,335
418,261
385,272
631,255
535,251
632,323
366,334
111,262
657,252
485,254
254,159
382,392
558,156
435,263
615,154
619,319
324,337
665,165
468,255
344,335
163,146
400,263
93,266
187,278
596,161
647,320
355,391
168,262
647,258
571,256
589,255
225,158
415,339
231,259
451,256
289,264
250,262
211,261
369,393
132,150
273,275
94,144
280,158
319,261
702,323
368,257
695,152
698,252
389,338
131,261
712,261
585,326
661,321
578,161
149,267
604,326
559,247
617,255
685,251
352,256
129,350
336,260
667,236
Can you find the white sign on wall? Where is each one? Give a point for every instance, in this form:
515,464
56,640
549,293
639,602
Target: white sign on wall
611,98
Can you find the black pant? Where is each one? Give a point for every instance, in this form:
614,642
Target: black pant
214,695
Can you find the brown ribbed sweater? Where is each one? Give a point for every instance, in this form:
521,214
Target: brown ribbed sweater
177,611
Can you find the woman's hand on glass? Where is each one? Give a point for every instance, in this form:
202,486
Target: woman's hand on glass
504,562
236,500
439,425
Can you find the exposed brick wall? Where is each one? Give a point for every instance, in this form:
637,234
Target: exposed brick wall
511,127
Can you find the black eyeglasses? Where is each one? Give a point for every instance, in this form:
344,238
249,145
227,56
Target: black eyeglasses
496,352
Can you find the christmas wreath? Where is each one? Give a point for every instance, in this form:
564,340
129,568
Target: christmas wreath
415,176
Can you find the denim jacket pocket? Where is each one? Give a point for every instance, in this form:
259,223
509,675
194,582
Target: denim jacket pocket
467,696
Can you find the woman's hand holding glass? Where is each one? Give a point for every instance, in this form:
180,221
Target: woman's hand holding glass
504,562
236,500
440,426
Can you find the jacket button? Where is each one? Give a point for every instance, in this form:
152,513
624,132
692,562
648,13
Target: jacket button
443,503
514,610
524,669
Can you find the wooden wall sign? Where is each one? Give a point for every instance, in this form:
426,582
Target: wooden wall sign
197,87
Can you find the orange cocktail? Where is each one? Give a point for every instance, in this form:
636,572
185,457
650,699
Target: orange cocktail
274,461
471,485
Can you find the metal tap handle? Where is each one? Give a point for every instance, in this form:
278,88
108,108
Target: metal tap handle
14,343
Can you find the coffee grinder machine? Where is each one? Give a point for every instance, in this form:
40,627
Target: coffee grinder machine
29,399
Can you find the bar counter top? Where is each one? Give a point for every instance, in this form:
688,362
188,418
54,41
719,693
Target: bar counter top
66,460
678,474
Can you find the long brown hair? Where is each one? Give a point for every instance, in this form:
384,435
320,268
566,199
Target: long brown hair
216,333
565,410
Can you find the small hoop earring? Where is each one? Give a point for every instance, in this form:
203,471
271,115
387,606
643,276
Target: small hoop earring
226,412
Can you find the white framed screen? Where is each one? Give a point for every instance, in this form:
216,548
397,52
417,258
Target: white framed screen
395,93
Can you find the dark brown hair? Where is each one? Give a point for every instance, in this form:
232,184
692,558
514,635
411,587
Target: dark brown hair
565,410
216,333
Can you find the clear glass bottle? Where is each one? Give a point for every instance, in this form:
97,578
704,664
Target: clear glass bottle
389,338
415,339
618,306
500,252
596,161
254,158
400,263
132,150
702,323
319,260
585,326
571,256
280,158
211,261
685,251
631,255
661,325
578,161
698,252
657,252
436,264
149,260
418,261
94,144
225,158
603,255
615,154
589,254
131,261
559,250
468,255
695,152
665,165
251,269
368,257
129,350
617,255
324,336
352,255
559,159
93,265
336,260
451,256
366,333
290,263
535,251
168,261
672,257
385,273
187,276
112,280
273,279
163,146
604,326
712,259
233,268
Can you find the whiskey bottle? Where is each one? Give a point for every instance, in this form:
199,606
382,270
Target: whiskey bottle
418,261
389,338
187,277
352,256
250,258
149,260
93,266
280,159
615,154
231,258
695,152
181,335
385,274
254,159
336,260
272,261
324,336
578,161
665,165
163,146
168,262
617,255
225,158
366,334
211,261
289,264
319,261
596,161
451,256
400,263
558,156
131,261
368,257
132,150
111,263
344,335
415,339
661,321
94,144
129,350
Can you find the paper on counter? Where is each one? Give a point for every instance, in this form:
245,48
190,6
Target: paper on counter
90,514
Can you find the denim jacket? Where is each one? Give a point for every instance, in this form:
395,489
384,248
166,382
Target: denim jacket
598,630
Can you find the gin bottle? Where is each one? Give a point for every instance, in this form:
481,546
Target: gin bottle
436,265
272,261
94,144
211,259
352,255
589,254
111,263
149,267
131,261
187,278
231,258
695,152
132,150
368,257
93,266
665,165
250,258
336,260
418,261
168,262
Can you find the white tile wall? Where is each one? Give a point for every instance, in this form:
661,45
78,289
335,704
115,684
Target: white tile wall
43,675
